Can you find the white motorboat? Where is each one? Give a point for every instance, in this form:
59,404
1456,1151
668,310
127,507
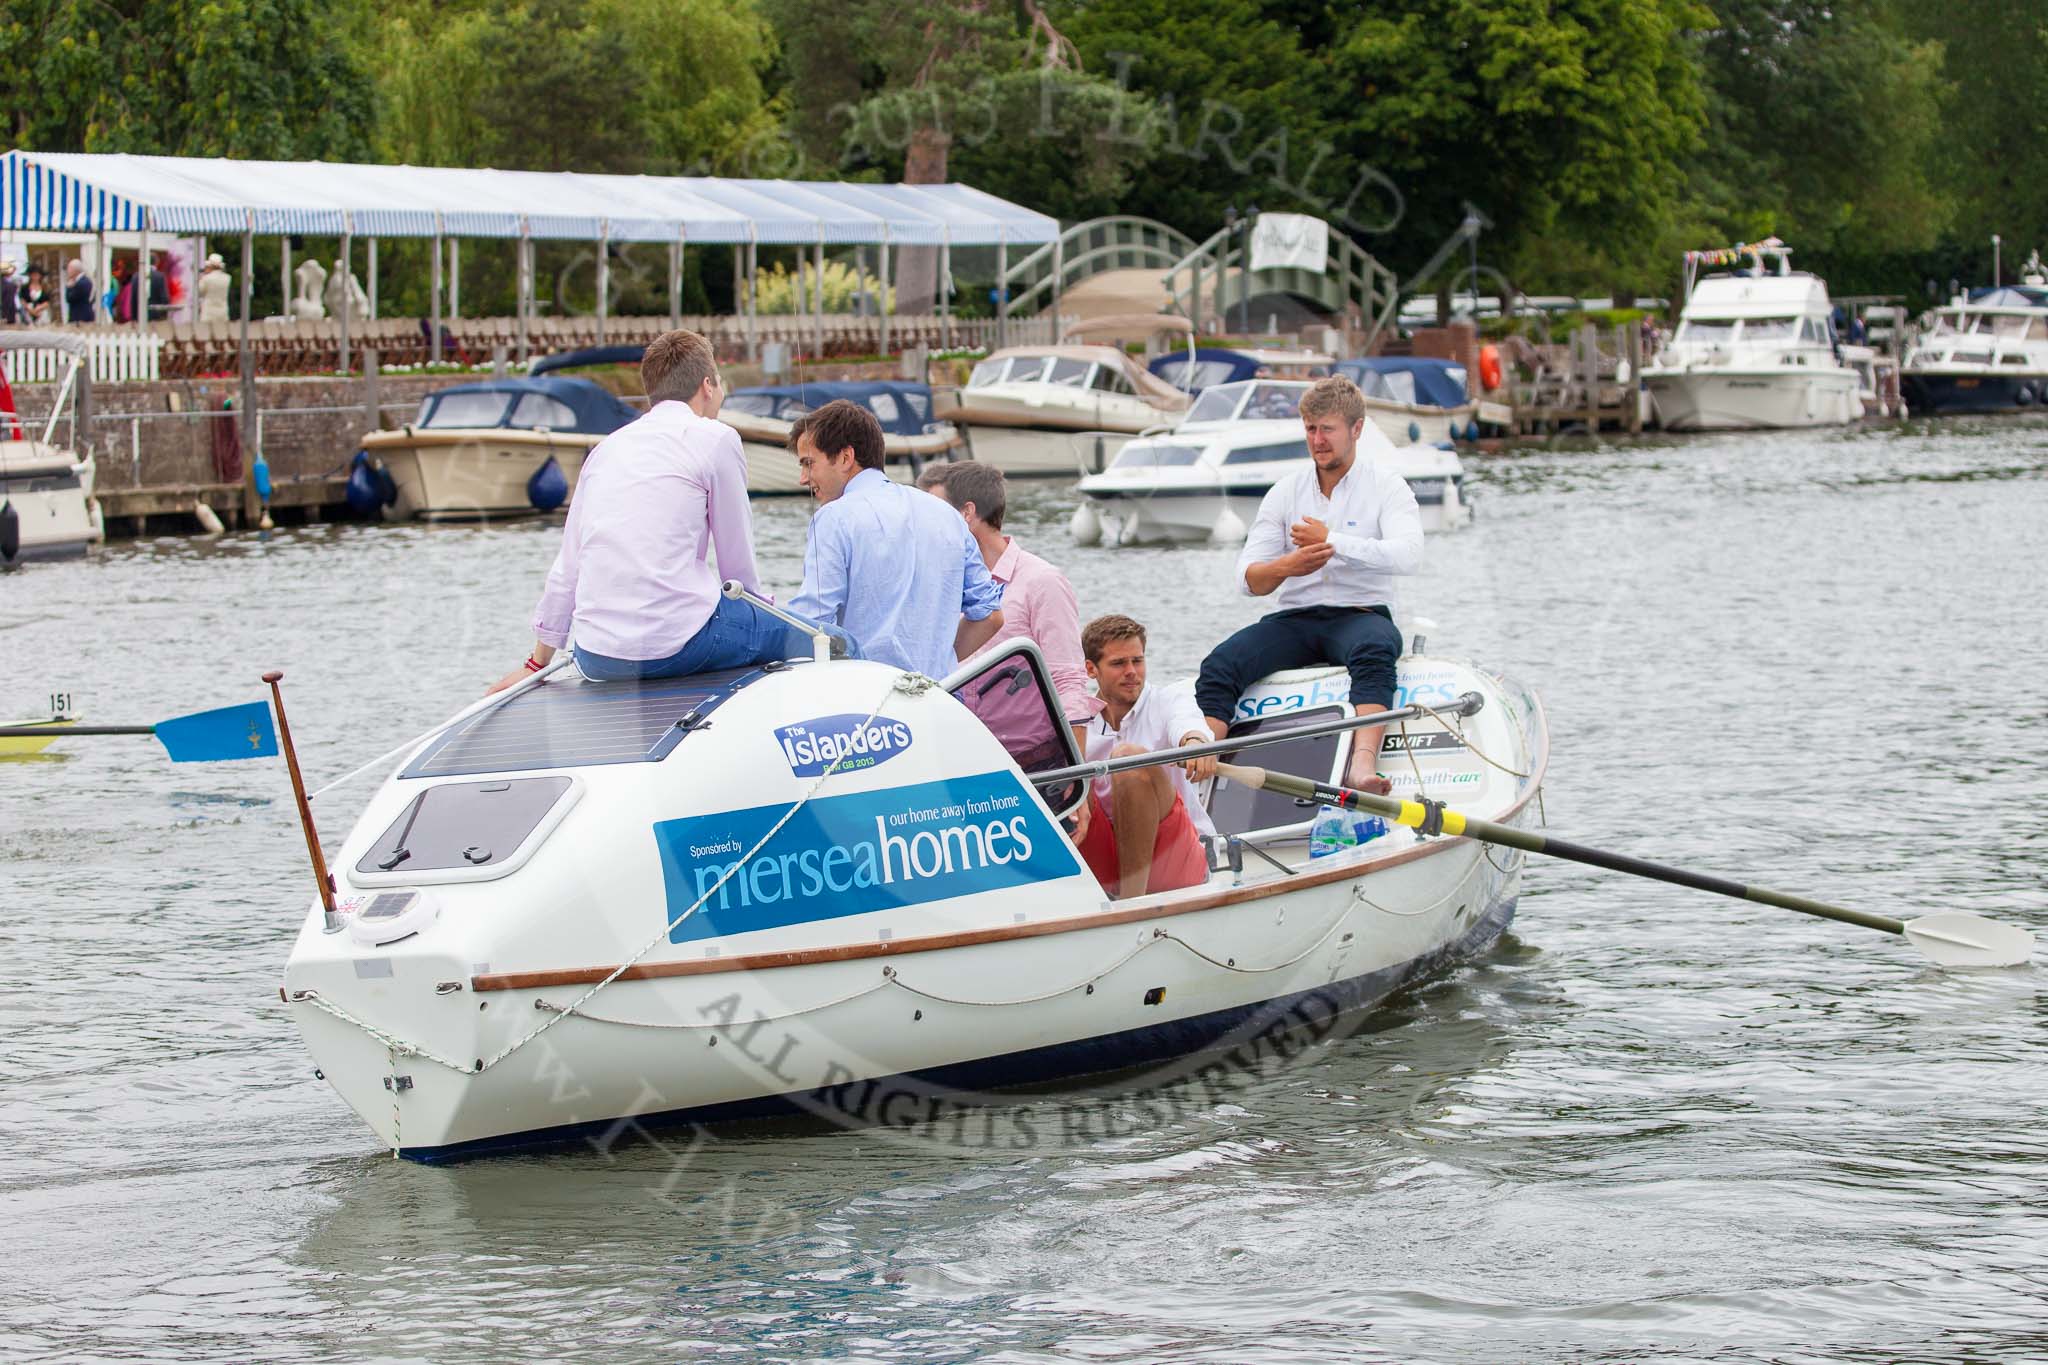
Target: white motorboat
1203,479
835,887
763,416
1987,351
1753,350
1058,410
47,507
485,451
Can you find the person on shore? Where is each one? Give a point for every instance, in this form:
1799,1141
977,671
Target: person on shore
10,292
213,287
894,568
1327,545
1038,601
1142,830
78,292
633,582
34,302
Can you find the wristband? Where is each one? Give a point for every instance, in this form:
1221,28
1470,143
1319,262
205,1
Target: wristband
533,665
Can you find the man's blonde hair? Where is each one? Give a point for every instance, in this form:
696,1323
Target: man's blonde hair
1334,397
675,366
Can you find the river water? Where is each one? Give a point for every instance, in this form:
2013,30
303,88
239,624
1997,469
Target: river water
1649,1125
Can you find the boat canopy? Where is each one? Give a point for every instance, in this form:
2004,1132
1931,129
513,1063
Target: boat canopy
120,192
558,404
1415,380
903,406
2009,296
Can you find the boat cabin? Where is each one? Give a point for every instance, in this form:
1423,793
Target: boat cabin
1417,381
528,404
1081,368
1779,312
2002,326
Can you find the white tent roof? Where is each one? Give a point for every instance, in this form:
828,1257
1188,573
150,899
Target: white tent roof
93,192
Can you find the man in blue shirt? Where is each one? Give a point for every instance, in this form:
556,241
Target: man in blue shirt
896,569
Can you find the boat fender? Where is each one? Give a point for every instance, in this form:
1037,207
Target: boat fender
1472,430
10,532
1086,525
208,519
2025,396
259,474
548,488
1414,432
1229,528
387,487
1489,367
361,492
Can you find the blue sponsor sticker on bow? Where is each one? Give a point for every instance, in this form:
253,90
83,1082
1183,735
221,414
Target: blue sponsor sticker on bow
811,746
848,855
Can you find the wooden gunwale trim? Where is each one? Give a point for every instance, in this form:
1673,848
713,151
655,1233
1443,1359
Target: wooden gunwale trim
456,436
928,943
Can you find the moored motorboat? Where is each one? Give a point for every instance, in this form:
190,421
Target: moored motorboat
47,507
910,435
1204,478
601,905
494,449
1984,352
1753,350
1414,400
1057,411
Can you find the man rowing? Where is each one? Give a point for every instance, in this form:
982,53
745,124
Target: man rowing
1326,546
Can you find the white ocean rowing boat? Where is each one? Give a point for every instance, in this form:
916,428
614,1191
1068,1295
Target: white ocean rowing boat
727,895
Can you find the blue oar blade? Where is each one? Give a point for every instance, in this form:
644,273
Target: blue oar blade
213,736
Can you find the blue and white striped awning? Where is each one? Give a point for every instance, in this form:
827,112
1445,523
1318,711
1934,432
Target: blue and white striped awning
117,192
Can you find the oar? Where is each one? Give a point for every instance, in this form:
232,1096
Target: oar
203,737
1952,939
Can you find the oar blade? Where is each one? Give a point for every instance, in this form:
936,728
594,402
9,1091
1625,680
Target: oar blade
1957,939
215,736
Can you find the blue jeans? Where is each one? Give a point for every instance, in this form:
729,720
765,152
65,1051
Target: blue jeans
1363,639
738,635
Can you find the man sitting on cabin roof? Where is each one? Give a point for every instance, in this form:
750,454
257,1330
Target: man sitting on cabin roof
1038,602
1327,544
895,568
633,581
1140,831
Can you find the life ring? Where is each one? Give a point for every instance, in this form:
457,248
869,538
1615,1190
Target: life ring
1489,367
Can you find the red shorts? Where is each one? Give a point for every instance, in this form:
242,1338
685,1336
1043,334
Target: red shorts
1178,858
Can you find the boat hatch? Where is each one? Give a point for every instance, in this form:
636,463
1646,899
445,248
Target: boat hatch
573,722
463,825
1012,694
1236,809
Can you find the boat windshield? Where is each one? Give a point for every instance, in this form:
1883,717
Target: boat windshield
2014,328
1284,450
1072,374
1143,454
1016,369
539,410
1251,401
1012,694
1706,331
1771,329
760,405
464,409
1195,374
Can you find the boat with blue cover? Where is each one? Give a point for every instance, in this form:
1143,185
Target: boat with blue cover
1984,352
1413,400
489,450
911,433
834,887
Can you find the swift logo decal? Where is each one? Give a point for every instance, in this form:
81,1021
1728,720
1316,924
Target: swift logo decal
812,746
848,855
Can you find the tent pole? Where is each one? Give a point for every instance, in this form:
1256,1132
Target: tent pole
818,300
675,284
1003,288
946,289
882,287
1059,265
454,277
348,295
522,285
604,279
284,280
142,282
373,277
248,366
434,308
753,298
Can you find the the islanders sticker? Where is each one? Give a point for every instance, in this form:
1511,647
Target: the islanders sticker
848,855
854,742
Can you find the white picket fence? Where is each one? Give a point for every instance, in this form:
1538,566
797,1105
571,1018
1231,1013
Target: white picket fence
116,356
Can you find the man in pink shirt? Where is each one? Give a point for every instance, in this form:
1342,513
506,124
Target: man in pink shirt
1038,601
657,498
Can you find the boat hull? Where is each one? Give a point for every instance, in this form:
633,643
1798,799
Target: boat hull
1179,516
1933,392
472,475
1045,453
56,515
1715,400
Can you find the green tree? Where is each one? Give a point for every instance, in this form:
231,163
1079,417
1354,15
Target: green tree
1992,151
245,78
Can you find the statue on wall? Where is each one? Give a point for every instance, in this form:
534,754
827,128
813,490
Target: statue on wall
345,296
312,277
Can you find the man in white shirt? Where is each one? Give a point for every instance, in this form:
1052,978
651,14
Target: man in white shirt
1141,830
1327,546
657,501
